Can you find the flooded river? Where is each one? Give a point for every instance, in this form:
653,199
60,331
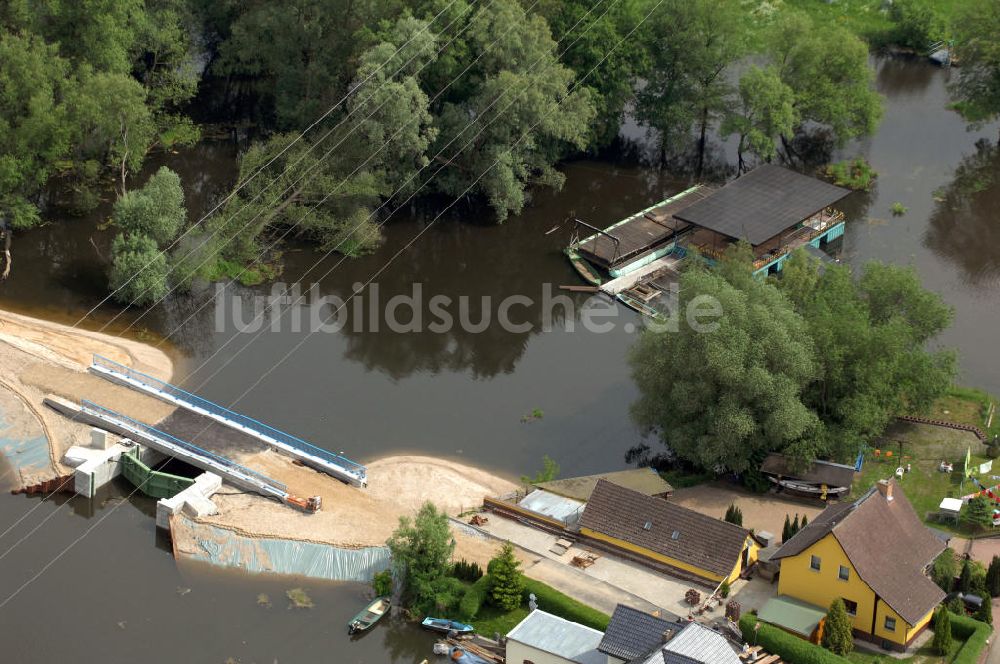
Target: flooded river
460,393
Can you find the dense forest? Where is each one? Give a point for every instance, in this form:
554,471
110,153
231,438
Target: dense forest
354,108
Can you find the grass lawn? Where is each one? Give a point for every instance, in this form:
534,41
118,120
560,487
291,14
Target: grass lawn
924,486
967,405
490,619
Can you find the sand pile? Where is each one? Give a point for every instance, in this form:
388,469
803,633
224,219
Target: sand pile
39,357
353,517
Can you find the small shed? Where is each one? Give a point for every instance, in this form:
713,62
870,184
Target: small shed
792,615
819,479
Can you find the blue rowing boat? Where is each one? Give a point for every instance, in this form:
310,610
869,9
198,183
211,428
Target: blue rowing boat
445,626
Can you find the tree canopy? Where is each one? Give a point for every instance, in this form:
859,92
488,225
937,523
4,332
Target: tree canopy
421,550
977,91
813,364
148,220
725,398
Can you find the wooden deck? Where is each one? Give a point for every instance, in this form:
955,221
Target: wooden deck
642,231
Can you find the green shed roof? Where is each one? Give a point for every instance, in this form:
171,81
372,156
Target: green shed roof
792,614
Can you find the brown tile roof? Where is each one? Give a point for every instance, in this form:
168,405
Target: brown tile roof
674,531
886,543
644,480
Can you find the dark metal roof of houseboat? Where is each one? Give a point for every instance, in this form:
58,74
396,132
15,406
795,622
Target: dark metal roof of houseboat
762,203
642,230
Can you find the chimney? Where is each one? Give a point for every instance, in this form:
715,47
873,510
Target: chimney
885,488
765,537
667,635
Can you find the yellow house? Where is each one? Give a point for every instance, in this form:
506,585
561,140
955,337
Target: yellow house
693,544
874,554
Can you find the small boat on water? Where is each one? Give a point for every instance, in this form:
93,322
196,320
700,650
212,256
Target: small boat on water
445,625
369,615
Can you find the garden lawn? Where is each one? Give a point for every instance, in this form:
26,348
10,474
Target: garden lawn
924,486
490,619
967,405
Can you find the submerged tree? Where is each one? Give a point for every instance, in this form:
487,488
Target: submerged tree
873,332
976,35
329,187
724,396
690,45
512,115
829,74
148,219
766,112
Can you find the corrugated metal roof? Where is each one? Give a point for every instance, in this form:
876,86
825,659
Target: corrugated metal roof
700,644
558,636
557,507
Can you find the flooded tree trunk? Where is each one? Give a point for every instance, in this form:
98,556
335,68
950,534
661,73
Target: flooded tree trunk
702,139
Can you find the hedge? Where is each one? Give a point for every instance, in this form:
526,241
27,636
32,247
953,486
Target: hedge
974,633
790,648
474,598
554,602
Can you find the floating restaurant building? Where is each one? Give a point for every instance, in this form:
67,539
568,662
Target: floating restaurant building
774,209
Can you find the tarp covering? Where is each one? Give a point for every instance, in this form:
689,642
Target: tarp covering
227,548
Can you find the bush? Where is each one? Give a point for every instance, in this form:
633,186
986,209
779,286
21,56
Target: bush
382,583
473,598
837,635
944,569
789,648
734,515
724,589
993,577
918,25
467,571
854,174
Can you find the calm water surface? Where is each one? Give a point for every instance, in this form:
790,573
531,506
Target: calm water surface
119,594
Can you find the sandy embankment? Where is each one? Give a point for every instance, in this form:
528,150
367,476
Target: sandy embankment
38,358
352,517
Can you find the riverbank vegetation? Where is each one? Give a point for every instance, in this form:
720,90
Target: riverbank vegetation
431,584
815,364
409,100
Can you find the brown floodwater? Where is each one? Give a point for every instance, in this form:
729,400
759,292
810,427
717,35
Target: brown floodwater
119,596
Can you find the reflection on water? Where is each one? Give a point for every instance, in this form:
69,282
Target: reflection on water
458,394
119,597
964,227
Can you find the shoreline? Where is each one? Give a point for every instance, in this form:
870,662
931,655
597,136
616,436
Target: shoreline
39,358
